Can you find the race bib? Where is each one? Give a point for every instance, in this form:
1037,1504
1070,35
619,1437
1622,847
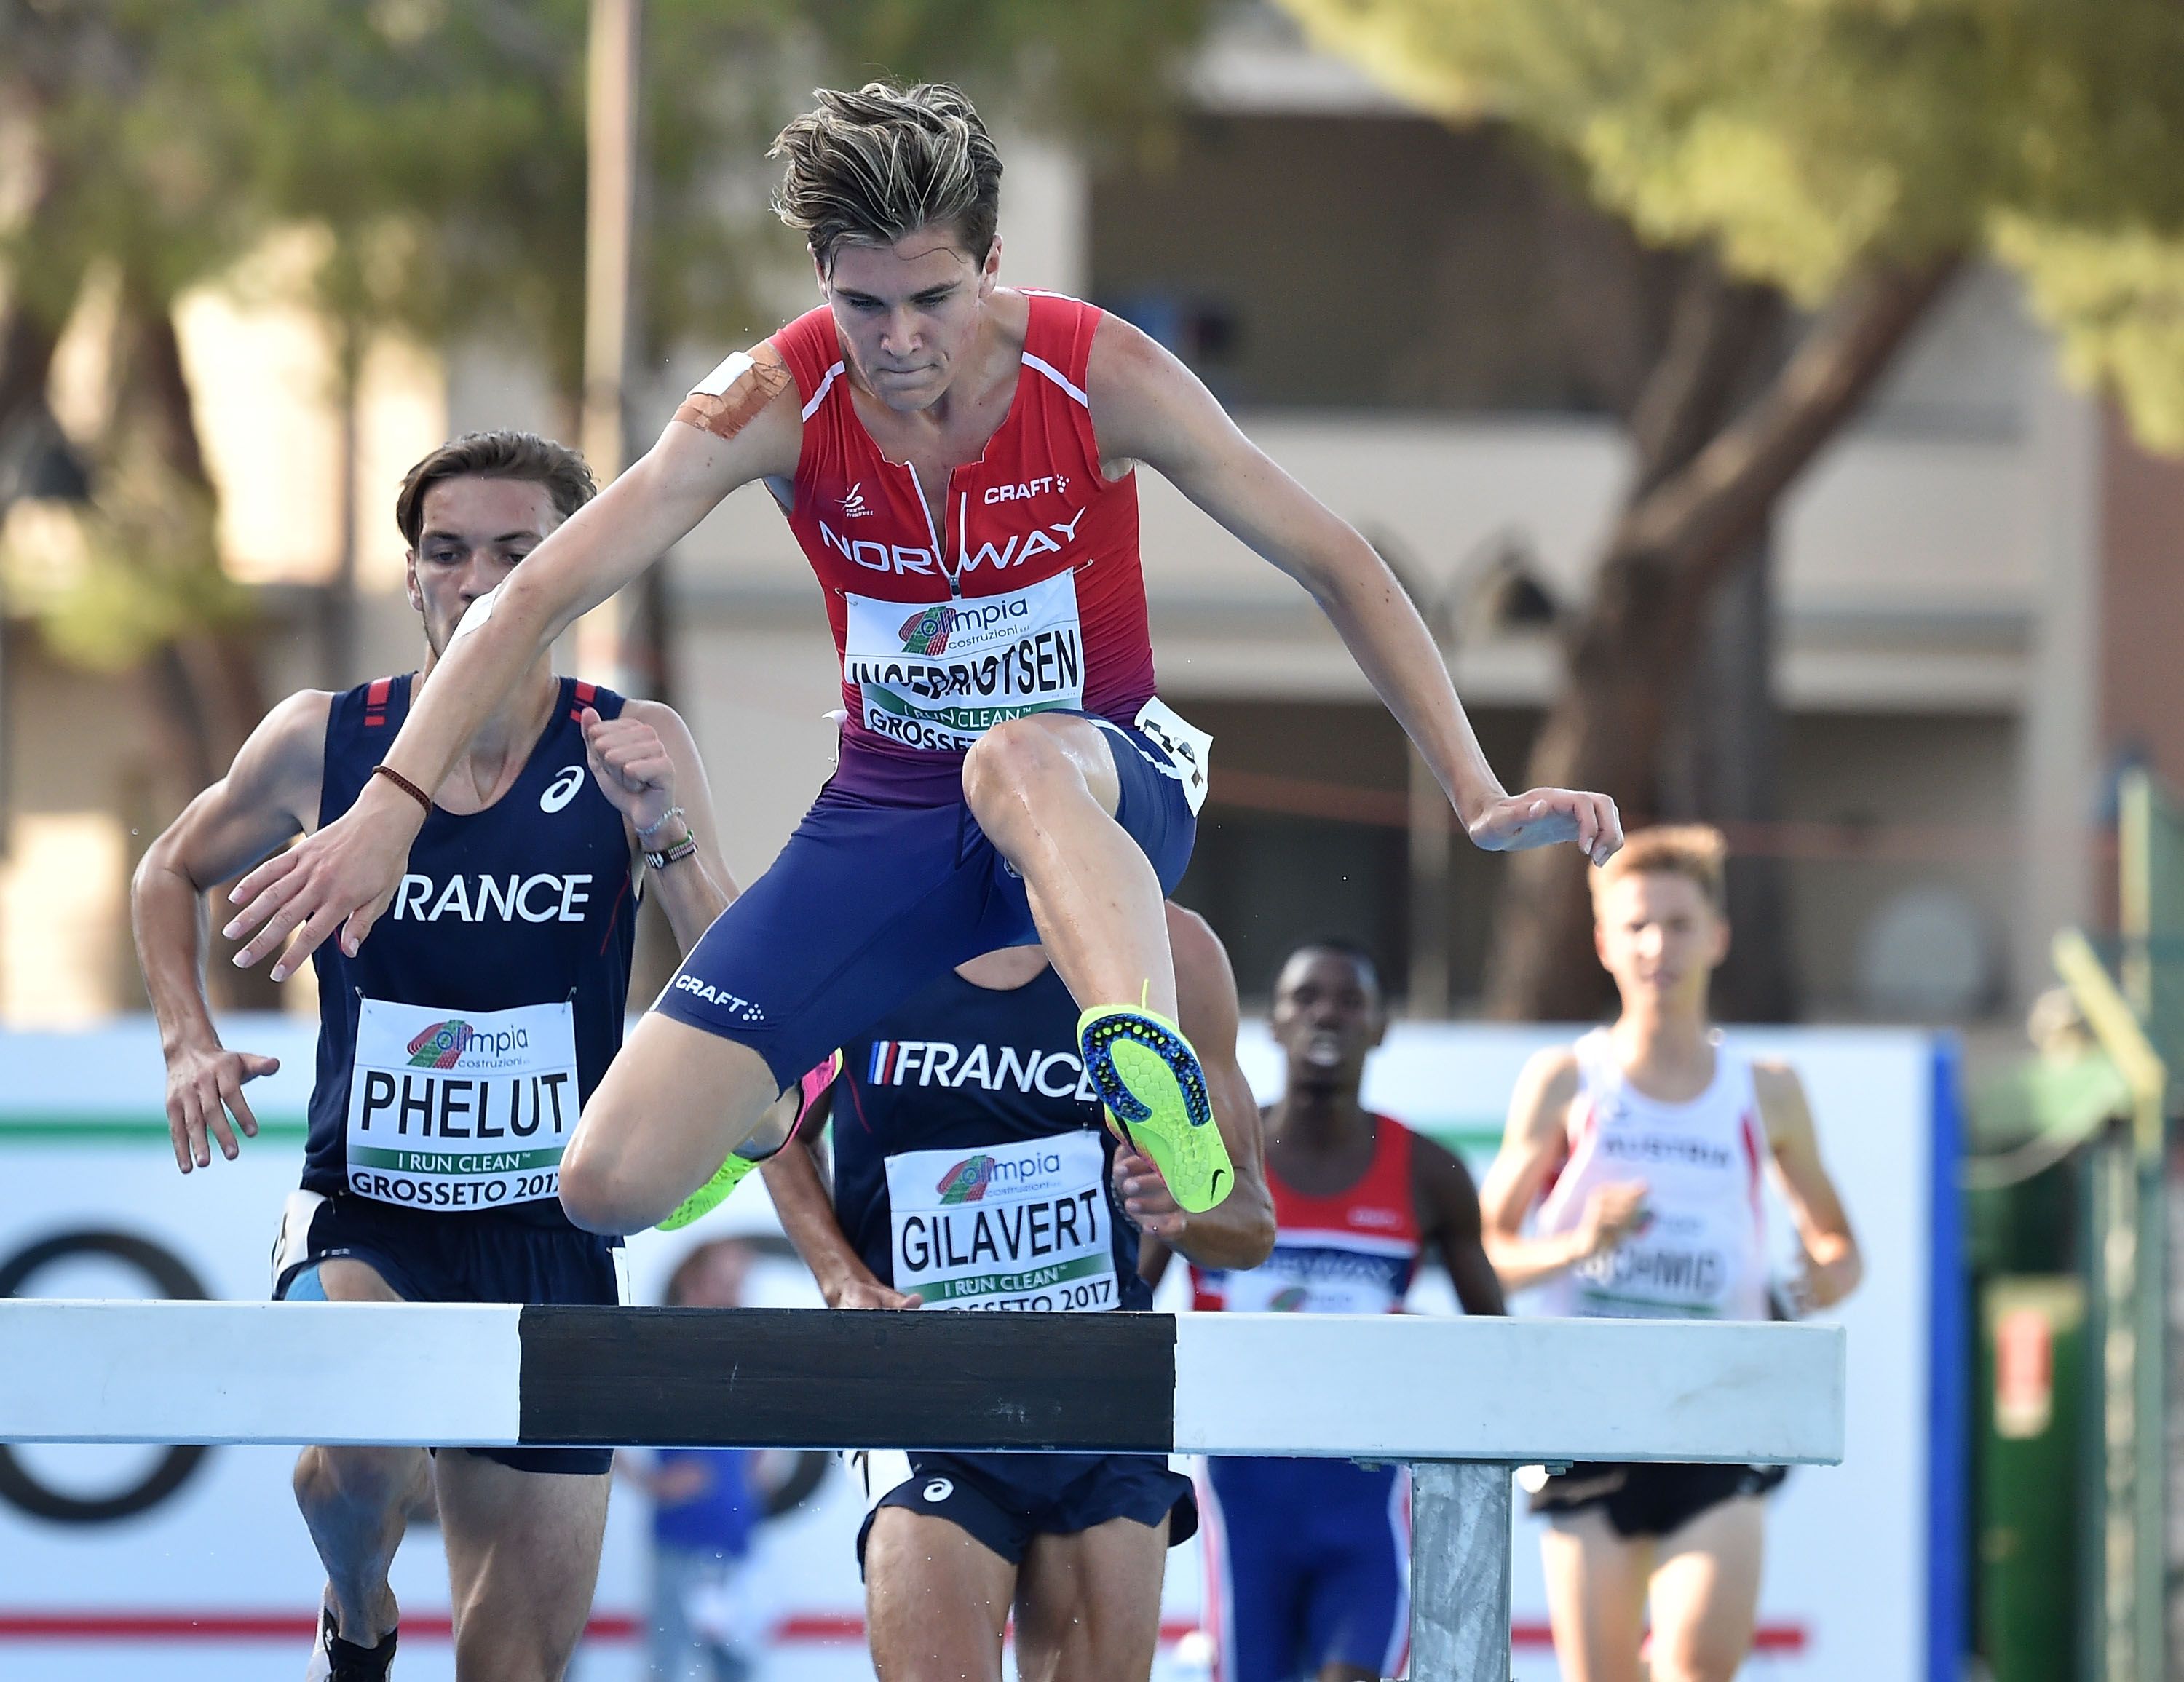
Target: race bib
1653,1276
1189,749
457,1110
1009,1226
1302,1278
937,675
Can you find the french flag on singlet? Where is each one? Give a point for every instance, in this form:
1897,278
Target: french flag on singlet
1354,1252
1024,596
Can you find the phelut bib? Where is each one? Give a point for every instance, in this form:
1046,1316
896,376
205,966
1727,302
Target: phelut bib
467,1109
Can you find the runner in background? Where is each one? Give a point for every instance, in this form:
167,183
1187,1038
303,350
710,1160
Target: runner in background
1638,1154
707,1623
1308,1561
455,1046
971,1170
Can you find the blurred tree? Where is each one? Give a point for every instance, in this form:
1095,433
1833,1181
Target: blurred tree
435,152
1816,172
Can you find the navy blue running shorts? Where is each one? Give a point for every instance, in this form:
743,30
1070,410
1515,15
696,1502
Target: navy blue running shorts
870,900
1005,1500
477,1256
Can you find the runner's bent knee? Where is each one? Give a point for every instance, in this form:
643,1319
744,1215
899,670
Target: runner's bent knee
1035,761
354,1480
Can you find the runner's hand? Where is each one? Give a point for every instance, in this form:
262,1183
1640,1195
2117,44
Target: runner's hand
869,1293
630,764
1144,1196
1821,1284
1612,1214
341,878
202,1086
1540,817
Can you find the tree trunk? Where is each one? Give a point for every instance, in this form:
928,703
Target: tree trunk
1723,767
1704,488
203,690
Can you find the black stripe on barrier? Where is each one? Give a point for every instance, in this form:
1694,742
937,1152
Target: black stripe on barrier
758,1378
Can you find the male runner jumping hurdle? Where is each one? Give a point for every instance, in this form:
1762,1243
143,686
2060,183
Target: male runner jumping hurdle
1642,1147
971,1170
454,1046
1308,1564
956,460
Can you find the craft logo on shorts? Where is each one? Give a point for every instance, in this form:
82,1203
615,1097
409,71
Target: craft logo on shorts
442,1045
1288,1300
967,1181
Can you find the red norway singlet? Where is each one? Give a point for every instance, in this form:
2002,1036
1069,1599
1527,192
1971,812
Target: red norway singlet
1351,1253
1026,597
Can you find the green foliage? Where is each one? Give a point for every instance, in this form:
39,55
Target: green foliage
1805,138
441,142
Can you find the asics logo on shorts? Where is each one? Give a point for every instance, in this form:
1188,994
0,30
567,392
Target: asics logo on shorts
562,789
938,1491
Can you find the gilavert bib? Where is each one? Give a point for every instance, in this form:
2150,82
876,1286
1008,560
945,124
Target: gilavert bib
970,1161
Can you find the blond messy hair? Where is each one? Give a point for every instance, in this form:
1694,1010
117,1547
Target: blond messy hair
1698,852
882,162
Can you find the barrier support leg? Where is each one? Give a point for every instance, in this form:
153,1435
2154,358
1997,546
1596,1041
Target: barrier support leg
1462,1516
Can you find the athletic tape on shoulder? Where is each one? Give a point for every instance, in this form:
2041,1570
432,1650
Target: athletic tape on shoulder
732,396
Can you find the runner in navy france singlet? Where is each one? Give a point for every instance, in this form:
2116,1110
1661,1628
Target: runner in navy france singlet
457,1048
970,1161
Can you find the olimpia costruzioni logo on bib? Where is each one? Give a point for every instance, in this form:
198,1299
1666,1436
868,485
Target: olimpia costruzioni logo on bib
442,1045
967,1181
926,631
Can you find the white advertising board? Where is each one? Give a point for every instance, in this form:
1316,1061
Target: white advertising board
212,1570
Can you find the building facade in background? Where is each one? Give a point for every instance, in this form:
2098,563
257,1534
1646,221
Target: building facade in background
1972,592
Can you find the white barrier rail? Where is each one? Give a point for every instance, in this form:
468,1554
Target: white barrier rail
1463,1400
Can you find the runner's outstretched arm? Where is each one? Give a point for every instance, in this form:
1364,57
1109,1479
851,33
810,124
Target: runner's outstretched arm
1833,1264
1239,1231
342,878
269,794
1533,1147
798,1190
1146,406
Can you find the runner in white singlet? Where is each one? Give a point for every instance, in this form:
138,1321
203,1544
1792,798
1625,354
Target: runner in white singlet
1637,1155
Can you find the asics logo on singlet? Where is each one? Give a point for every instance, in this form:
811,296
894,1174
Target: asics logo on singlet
995,1068
918,559
562,789
486,899
1057,483
854,506
967,1181
927,631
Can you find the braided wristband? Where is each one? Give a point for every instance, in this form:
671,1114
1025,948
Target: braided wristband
405,785
682,849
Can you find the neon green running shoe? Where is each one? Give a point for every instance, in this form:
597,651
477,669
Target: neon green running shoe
737,1169
1149,1079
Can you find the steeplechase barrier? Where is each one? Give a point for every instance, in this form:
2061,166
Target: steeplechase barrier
1461,1402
